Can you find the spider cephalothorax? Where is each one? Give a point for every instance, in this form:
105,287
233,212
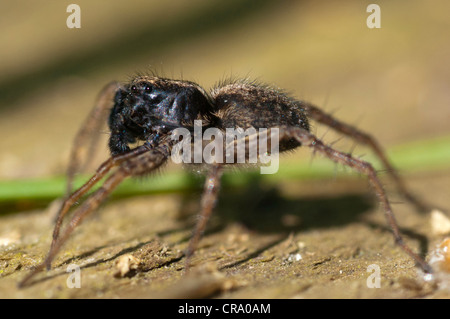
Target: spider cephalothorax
150,108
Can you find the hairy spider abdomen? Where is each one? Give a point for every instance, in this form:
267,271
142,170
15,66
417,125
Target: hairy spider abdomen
246,105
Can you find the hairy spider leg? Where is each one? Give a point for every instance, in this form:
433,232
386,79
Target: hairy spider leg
308,139
88,135
318,115
99,174
213,182
138,164
208,202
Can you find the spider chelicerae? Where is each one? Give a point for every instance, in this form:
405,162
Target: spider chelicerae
150,108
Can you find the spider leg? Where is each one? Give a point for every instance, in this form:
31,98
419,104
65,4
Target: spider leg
99,174
213,180
308,139
140,163
88,135
88,206
318,115
208,202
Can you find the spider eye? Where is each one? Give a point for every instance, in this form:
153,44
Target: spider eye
147,88
134,89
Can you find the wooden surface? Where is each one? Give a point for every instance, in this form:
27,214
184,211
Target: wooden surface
311,239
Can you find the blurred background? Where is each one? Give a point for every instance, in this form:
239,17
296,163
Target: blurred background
391,82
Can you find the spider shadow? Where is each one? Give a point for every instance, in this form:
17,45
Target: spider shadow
265,210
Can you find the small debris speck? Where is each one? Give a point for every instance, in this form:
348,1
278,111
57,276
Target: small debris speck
440,223
126,264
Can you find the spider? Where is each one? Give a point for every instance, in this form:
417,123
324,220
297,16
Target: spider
149,108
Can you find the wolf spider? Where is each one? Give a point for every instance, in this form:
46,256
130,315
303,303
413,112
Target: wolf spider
149,108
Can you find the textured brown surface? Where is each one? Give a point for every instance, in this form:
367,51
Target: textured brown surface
281,244
391,82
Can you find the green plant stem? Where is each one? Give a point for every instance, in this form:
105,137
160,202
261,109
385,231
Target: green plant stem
419,156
